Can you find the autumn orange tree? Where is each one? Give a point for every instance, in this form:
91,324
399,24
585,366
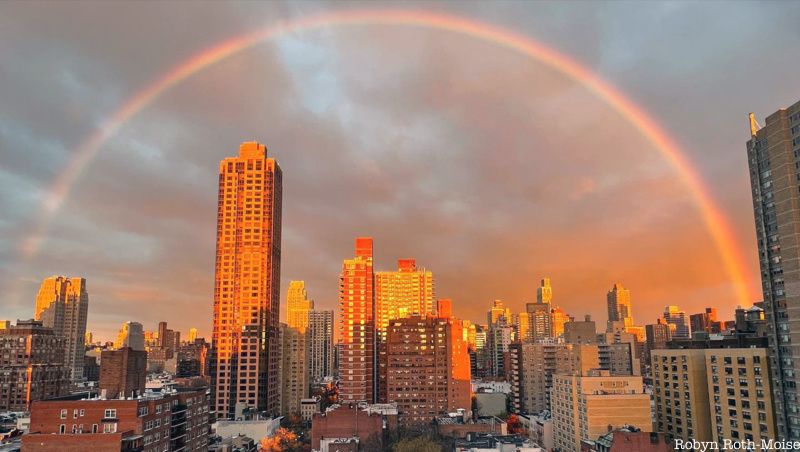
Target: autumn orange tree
283,440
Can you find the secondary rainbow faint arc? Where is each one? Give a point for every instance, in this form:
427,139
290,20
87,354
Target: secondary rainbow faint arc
717,225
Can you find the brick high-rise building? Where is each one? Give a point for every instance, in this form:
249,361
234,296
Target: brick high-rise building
123,372
174,420
31,365
427,367
407,291
63,305
320,336
357,357
298,305
245,343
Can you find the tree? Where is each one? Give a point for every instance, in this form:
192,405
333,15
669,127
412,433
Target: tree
514,425
283,440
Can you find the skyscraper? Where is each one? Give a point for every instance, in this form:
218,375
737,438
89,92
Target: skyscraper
131,334
191,336
63,305
245,346
540,315
357,359
320,333
678,322
773,153
298,305
544,293
619,305
401,293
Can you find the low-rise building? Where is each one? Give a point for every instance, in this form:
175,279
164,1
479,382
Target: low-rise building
309,407
368,426
456,426
153,422
628,439
483,442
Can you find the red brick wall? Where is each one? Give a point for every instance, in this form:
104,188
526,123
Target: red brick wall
109,442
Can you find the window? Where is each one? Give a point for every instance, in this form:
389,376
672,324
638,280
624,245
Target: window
63,428
110,413
63,414
110,427
94,428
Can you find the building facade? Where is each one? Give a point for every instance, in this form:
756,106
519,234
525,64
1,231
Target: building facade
773,153
131,334
586,406
428,370
175,421
63,305
320,336
298,305
678,322
244,346
31,365
401,293
294,369
357,357
123,372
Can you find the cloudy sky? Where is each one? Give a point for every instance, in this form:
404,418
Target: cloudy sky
491,169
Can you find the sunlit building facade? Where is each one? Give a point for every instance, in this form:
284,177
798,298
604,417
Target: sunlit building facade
357,357
678,322
298,305
131,334
404,292
63,305
245,338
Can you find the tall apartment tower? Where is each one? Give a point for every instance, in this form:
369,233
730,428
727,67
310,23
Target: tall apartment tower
245,345
298,305
619,305
63,305
357,358
402,293
294,369
540,315
320,335
773,153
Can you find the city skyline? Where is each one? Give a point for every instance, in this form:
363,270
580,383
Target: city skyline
314,255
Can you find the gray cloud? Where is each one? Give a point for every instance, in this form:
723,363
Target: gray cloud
490,169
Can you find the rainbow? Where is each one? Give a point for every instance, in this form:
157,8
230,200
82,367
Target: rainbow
715,222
